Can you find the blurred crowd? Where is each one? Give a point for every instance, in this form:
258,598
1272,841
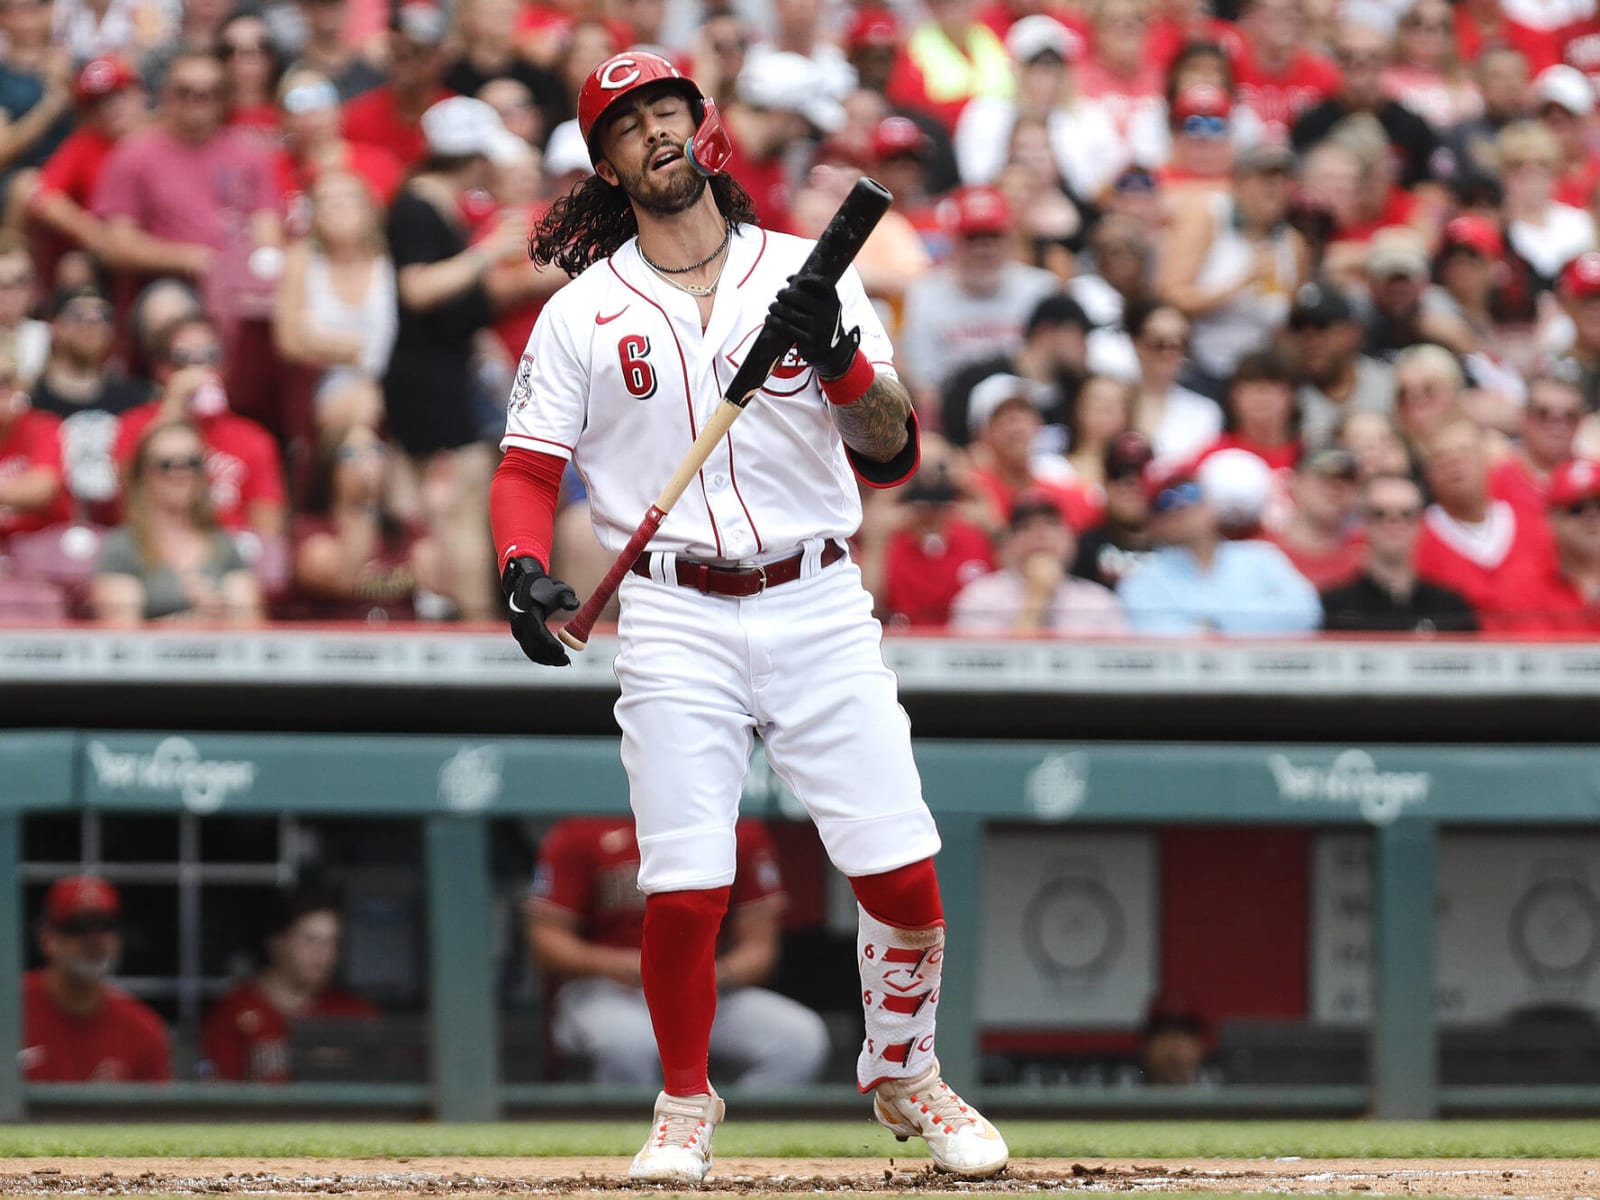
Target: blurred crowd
1261,317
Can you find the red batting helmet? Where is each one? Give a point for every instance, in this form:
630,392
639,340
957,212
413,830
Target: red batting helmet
708,150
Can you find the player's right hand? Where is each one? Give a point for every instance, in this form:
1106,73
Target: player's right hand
532,596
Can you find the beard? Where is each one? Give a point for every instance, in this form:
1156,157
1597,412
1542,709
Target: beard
681,188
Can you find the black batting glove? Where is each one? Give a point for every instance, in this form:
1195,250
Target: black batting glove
808,313
532,596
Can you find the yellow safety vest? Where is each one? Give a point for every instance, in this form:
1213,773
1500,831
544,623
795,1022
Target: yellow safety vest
951,73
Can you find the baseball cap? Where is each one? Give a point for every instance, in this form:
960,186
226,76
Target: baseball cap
1318,305
1039,34
872,27
1564,86
1397,252
100,77
898,135
1033,503
1575,480
1332,462
994,391
1236,483
461,127
80,896
1580,278
1201,100
424,24
788,82
63,298
976,209
1478,234
1127,455
565,151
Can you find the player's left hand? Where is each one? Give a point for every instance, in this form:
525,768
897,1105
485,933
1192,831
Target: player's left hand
808,313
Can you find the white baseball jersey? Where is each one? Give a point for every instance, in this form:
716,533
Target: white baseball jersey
619,377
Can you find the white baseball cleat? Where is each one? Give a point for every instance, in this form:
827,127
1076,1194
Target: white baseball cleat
679,1147
960,1140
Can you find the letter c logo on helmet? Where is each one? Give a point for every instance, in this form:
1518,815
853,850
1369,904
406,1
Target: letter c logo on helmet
611,81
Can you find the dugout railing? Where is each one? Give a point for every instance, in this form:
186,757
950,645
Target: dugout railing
1384,697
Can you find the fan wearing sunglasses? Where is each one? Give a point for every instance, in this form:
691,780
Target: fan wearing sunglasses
171,561
1201,125
76,1026
242,461
1388,596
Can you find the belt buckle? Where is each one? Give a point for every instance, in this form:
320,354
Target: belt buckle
761,577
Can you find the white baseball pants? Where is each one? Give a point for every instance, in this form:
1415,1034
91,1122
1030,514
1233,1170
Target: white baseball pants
802,663
768,1039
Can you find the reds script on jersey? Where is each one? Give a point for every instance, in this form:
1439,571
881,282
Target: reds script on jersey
618,377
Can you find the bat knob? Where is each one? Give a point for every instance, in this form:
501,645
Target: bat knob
571,641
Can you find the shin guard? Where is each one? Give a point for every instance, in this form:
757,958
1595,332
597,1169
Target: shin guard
900,970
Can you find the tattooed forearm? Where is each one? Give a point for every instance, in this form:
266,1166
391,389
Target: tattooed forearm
875,425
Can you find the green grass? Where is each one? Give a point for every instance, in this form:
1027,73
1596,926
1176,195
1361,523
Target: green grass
822,1139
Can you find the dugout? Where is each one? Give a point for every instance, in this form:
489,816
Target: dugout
1113,768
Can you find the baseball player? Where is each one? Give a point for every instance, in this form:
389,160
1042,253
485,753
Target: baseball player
586,924
745,615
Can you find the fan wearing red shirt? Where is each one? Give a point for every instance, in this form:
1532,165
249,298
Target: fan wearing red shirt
1558,592
586,920
933,554
246,1035
1483,23
1550,419
1260,409
76,1027
1469,539
110,100
312,145
779,102
1004,423
1319,538
242,460
390,116
1275,75
32,494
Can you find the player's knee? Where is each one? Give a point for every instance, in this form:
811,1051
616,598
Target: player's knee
907,897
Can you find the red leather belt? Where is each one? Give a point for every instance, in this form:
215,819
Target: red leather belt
740,581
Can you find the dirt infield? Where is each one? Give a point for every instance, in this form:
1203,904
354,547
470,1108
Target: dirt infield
475,1177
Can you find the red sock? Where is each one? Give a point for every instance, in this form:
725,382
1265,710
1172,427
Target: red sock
679,966
907,897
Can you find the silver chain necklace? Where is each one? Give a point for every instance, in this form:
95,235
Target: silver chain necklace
667,273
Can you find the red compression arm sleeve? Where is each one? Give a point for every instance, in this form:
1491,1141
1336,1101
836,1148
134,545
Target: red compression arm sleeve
522,504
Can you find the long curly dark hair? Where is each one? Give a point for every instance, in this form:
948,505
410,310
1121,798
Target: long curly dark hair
591,221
